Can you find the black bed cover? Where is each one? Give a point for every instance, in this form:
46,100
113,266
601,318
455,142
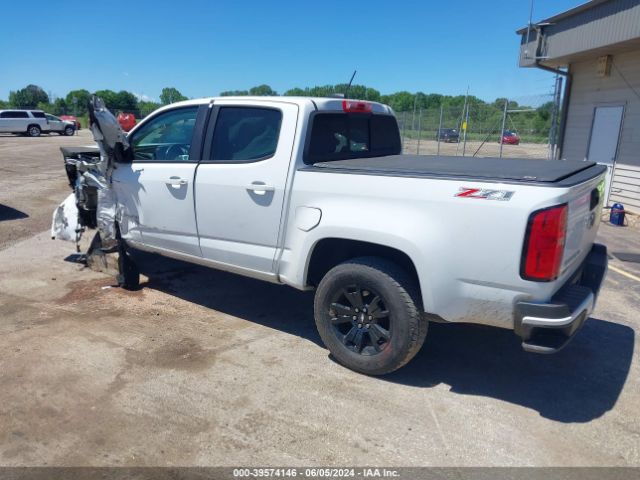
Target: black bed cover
507,170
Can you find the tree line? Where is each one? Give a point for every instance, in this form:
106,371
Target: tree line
536,121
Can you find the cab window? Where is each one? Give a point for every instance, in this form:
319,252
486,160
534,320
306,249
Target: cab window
245,134
165,138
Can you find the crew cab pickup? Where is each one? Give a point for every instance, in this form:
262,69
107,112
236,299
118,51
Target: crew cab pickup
314,193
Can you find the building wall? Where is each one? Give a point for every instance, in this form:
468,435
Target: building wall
589,91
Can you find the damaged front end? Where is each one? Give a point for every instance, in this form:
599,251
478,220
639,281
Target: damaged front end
93,201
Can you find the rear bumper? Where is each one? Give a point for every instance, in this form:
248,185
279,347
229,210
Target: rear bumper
548,327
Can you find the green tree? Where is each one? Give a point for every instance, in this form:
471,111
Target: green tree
296,92
108,97
171,95
145,108
79,107
28,97
121,101
400,101
234,93
262,91
126,102
59,107
45,107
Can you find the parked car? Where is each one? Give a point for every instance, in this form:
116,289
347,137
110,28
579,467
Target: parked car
126,120
59,126
71,118
26,122
315,194
509,137
448,135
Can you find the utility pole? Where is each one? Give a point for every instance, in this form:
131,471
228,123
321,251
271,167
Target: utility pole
419,130
413,120
464,135
464,108
404,127
440,128
504,121
553,131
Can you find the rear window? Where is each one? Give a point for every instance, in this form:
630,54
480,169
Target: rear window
14,114
340,136
38,114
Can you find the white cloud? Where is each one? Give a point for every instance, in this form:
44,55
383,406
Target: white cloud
144,98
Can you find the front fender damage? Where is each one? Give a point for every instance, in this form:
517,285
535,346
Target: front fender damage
93,203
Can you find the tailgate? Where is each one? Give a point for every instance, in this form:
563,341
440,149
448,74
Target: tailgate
585,207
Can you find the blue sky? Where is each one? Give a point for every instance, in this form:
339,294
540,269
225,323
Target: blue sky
204,47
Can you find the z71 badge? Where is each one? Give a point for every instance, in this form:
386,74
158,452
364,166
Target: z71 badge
485,194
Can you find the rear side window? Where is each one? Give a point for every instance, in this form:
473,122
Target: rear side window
340,136
14,114
38,114
245,134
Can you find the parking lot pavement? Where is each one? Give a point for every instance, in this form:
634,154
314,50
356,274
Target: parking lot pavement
31,182
200,367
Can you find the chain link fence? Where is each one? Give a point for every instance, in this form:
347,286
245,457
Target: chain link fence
475,129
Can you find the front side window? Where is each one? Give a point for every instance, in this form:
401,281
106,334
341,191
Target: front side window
53,119
245,134
165,138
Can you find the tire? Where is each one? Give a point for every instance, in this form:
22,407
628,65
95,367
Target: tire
374,344
68,131
34,131
129,274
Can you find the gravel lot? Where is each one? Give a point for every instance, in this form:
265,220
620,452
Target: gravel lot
206,368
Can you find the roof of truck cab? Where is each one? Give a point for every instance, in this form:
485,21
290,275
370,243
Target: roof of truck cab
320,103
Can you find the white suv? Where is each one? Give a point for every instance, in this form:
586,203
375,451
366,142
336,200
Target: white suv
29,122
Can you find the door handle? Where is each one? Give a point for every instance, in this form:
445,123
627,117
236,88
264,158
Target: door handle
176,181
260,188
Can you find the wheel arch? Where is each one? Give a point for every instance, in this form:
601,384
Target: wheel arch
328,252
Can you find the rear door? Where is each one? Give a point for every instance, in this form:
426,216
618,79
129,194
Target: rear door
155,191
240,185
14,121
605,135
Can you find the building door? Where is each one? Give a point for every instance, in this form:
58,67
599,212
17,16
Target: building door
605,134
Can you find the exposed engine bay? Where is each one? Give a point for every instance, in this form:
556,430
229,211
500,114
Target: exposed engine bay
93,204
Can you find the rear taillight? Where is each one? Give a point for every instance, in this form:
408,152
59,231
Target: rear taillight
355,106
544,244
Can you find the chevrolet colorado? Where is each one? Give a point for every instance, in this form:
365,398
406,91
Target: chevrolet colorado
314,193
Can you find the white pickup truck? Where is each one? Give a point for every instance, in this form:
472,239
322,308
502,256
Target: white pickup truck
314,193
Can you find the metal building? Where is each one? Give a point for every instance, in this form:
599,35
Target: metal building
596,47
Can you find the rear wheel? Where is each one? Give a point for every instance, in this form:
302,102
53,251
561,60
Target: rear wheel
367,314
33,131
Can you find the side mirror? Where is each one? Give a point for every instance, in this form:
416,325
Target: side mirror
121,154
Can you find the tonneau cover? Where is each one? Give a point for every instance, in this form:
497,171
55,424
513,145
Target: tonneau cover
520,170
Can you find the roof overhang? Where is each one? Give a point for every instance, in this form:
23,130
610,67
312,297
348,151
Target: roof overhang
599,27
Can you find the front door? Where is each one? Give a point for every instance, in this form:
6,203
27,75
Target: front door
605,135
55,124
155,191
240,186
